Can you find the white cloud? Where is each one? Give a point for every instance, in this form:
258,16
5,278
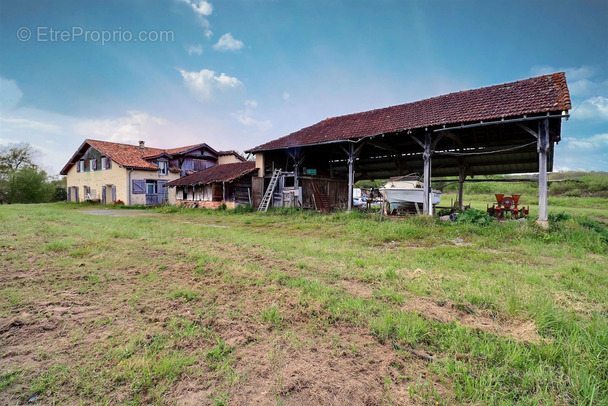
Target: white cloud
205,84
583,72
245,117
129,129
592,143
228,43
594,108
194,49
10,94
286,96
12,124
202,9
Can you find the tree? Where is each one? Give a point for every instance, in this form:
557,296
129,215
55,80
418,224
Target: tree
60,187
21,181
16,156
30,186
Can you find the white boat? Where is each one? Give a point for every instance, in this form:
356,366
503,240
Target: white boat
402,190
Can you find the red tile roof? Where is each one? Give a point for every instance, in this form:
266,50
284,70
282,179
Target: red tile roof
217,173
232,152
540,94
129,156
182,150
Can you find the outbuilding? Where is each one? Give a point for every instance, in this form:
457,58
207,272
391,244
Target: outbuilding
502,129
228,184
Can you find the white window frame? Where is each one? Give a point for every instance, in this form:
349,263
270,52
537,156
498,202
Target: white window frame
163,167
151,184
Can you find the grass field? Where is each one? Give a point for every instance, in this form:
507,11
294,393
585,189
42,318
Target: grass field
192,307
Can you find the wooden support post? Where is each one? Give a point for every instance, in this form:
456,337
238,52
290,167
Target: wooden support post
461,177
351,174
543,149
426,202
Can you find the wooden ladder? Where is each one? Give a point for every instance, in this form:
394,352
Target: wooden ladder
268,195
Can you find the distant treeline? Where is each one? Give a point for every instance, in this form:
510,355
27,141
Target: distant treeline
571,184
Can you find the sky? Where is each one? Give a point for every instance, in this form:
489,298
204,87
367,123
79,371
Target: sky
238,73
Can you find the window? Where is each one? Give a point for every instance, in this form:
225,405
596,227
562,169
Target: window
163,167
93,164
150,188
105,162
80,166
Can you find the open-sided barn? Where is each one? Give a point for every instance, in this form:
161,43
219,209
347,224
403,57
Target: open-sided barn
501,129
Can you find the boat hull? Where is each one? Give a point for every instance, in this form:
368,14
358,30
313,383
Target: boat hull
400,196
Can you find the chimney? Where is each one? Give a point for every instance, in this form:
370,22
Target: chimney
142,145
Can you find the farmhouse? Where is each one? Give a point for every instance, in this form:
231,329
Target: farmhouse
134,174
502,129
228,184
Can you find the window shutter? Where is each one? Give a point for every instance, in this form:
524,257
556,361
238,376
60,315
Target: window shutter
69,194
94,165
107,163
163,190
139,187
78,166
113,193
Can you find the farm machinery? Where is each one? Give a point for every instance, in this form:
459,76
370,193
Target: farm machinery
506,207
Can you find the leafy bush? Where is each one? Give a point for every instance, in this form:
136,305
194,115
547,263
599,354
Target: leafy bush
563,220
474,216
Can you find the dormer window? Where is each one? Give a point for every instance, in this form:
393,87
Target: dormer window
80,166
163,167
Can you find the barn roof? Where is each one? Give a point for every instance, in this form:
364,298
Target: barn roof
548,93
216,173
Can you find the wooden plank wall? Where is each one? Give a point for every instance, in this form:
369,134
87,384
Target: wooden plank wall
242,189
337,189
257,190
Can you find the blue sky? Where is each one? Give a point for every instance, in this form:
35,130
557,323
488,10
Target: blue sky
239,73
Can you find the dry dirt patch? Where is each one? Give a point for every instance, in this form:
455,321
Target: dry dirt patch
447,312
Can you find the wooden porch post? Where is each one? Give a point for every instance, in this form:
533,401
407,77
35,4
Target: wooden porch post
351,174
426,202
543,149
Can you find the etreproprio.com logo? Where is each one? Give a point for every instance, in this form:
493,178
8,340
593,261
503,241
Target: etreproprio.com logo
75,34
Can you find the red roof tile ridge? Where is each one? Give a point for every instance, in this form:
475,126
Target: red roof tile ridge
564,93
216,173
542,94
185,148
